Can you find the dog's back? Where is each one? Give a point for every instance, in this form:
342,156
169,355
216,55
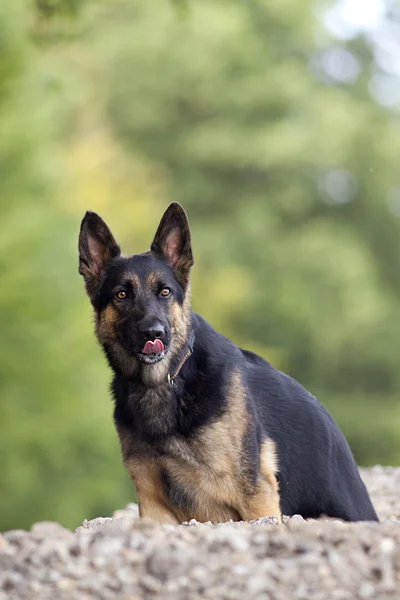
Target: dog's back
317,473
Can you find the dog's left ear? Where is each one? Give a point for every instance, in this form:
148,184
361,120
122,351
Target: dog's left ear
172,242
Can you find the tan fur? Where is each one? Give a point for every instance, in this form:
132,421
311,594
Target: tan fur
105,324
134,279
105,332
146,476
268,458
266,499
154,375
154,279
129,275
180,317
211,468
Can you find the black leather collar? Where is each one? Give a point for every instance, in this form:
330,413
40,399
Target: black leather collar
182,358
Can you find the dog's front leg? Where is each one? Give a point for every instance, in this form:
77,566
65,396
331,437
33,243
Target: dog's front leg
145,475
264,502
153,508
152,503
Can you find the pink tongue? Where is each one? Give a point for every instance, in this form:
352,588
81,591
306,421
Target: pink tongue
153,347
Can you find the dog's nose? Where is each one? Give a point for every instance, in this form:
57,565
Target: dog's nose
155,332
152,330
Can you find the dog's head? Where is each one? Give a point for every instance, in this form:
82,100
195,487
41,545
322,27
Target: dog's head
141,301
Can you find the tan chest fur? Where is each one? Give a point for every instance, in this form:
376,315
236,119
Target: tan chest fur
208,474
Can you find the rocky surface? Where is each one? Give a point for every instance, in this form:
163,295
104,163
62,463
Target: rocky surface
130,559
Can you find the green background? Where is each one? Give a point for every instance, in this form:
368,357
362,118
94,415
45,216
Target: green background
282,142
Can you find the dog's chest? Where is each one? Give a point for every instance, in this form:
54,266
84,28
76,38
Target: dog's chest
197,477
155,413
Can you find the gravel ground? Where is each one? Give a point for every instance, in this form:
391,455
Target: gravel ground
122,557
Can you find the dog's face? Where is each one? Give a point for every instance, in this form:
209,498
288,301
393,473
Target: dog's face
141,301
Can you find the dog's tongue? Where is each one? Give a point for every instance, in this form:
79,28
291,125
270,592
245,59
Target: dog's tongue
153,347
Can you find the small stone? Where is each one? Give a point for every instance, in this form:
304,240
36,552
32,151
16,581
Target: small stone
97,523
272,521
173,562
7,561
50,550
13,581
239,543
4,545
51,529
15,536
301,548
65,584
150,584
52,576
367,590
81,542
131,511
387,546
182,582
199,573
296,519
191,523
240,570
35,586
107,547
257,584
259,539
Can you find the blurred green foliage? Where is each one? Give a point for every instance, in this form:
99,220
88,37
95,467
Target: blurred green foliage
243,112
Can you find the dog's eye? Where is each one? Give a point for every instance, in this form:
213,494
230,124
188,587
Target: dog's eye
121,295
165,292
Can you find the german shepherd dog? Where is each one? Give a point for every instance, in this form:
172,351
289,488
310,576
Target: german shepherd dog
208,431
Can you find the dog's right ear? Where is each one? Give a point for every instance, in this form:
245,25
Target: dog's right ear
96,247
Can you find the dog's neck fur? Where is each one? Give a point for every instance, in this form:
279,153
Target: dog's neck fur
147,394
154,410
150,408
